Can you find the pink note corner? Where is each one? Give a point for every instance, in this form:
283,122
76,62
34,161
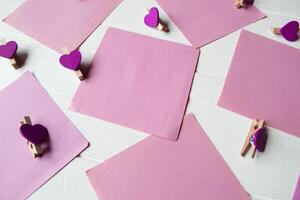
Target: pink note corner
296,195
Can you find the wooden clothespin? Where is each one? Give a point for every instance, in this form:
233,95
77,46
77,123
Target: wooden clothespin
8,50
36,150
152,20
256,138
71,60
243,3
36,135
289,31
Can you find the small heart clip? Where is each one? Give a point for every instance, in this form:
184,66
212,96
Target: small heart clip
289,31
36,135
256,138
8,50
71,60
152,20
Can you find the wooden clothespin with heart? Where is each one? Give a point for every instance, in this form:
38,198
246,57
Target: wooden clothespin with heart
152,20
243,3
256,138
8,50
289,31
36,135
71,60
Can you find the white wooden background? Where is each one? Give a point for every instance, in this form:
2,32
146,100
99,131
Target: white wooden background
272,175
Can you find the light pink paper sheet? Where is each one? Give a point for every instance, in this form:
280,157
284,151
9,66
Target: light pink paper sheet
20,173
263,82
138,82
60,23
205,21
189,169
296,195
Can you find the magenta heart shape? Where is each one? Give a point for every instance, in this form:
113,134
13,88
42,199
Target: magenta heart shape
36,134
152,18
71,60
260,139
290,31
9,49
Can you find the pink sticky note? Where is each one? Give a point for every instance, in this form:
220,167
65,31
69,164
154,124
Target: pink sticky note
58,23
263,82
138,82
205,21
297,191
20,173
190,168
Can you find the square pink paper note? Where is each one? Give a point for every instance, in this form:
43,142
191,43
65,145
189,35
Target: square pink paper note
20,173
155,169
263,82
60,23
203,21
138,82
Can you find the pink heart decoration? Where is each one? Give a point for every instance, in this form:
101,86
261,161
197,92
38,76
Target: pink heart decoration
290,31
71,61
152,18
9,49
36,134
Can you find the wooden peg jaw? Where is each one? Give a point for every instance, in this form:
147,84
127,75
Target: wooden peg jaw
239,4
26,120
35,150
277,31
65,50
242,3
79,72
14,63
256,124
162,27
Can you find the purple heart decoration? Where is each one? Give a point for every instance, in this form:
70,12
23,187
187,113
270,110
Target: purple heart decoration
36,134
260,139
152,18
290,31
71,60
9,49
249,2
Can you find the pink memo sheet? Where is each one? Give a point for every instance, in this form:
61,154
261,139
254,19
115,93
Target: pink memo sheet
296,195
60,23
139,82
20,173
205,21
263,82
190,169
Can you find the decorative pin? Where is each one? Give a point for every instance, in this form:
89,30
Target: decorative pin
257,137
152,20
8,50
243,3
36,135
290,31
71,60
